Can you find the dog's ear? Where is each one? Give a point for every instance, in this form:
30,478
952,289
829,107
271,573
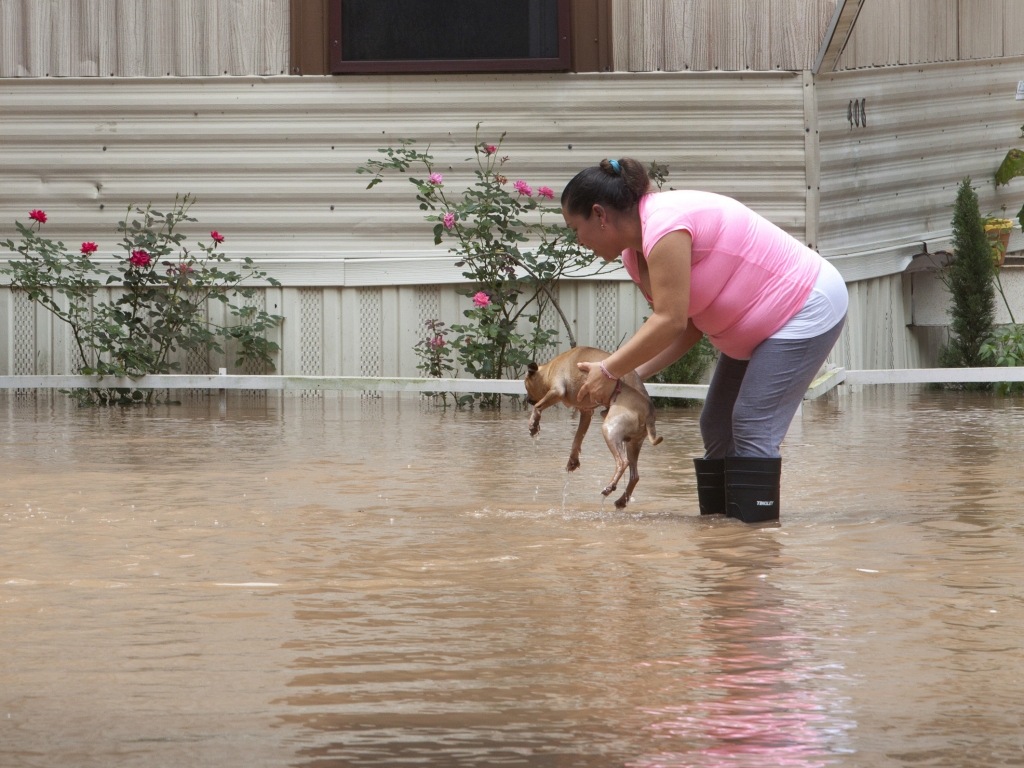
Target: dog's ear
532,368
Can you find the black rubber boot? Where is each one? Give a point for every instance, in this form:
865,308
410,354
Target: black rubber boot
752,488
710,485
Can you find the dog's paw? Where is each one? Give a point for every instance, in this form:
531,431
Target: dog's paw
608,490
534,429
621,502
573,465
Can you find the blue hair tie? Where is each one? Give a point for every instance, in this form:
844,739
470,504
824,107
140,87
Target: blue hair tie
615,166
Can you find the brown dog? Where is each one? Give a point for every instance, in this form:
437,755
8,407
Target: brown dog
629,418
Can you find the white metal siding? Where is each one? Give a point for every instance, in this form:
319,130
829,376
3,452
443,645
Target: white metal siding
889,187
876,333
375,337
272,161
269,157
143,38
704,35
890,32
321,338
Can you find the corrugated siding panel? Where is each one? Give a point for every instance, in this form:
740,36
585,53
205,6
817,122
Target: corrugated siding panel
371,331
889,187
701,35
981,28
876,333
375,337
890,32
143,38
272,161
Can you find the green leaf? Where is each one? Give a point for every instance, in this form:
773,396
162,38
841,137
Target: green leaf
1011,167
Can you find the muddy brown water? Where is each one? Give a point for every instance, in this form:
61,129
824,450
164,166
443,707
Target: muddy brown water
358,582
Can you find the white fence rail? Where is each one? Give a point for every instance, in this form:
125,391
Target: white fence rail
935,376
821,385
307,383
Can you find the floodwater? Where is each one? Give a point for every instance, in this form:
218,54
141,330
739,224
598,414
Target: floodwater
380,582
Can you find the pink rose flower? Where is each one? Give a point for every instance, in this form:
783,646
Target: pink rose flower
546,192
437,342
482,299
88,248
140,259
436,179
490,149
218,238
37,216
523,188
449,220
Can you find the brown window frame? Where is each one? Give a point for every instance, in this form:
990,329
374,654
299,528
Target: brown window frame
562,63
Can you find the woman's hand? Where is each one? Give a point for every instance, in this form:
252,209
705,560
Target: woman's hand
598,387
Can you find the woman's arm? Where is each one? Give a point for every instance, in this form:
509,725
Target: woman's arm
673,352
668,268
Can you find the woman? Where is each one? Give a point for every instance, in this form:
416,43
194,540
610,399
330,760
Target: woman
710,265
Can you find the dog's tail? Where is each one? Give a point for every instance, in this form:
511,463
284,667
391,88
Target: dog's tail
652,433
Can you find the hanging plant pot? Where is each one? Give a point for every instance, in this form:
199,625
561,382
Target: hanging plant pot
998,233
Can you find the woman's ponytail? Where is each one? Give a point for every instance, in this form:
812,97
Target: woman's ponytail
617,184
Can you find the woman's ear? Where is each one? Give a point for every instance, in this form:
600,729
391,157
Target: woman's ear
599,211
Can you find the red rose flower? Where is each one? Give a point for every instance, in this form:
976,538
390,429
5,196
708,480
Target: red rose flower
217,237
88,248
37,216
140,259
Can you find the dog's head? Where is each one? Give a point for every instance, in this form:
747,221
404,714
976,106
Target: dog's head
536,387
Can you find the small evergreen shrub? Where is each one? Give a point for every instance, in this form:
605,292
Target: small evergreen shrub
969,281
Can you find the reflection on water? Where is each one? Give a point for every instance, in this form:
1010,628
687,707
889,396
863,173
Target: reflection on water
757,694
356,582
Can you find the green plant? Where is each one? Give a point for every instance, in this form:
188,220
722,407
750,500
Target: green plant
1005,348
1012,167
512,255
689,369
433,350
164,289
997,231
970,283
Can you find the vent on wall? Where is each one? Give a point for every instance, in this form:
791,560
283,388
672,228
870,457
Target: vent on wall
259,301
428,305
550,321
606,316
310,331
24,334
369,331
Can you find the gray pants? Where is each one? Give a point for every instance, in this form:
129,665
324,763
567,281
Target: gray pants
751,402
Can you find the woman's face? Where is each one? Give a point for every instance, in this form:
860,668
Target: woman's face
599,233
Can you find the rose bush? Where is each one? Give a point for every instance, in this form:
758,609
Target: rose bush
512,254
157,312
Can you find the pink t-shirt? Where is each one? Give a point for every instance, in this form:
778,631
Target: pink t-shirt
748,277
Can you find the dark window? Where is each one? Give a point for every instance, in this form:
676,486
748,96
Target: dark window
449,35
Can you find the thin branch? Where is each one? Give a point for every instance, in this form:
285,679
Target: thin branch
1000,284
561,314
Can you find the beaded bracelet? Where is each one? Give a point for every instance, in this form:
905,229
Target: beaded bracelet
605,372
